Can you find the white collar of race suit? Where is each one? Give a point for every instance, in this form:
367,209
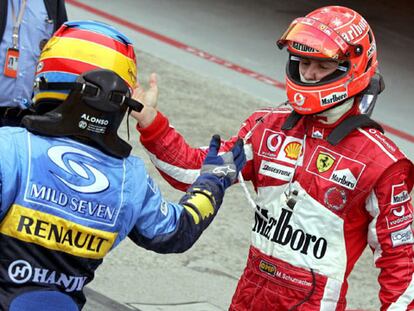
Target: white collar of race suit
334,114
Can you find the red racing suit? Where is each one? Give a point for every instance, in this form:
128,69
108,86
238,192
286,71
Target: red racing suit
307,236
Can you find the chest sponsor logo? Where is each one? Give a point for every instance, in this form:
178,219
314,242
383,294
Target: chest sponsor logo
335,167
324,162
399,194
21,272
399,216
280,231
345,178
275,170
292,150
402,237
317,132
270,143
278,146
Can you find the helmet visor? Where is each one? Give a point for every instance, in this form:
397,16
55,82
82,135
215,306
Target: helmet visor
315,35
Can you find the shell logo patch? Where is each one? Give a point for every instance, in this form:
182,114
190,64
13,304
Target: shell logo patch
292,150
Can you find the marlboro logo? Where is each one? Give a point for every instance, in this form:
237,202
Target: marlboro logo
281,231
333,98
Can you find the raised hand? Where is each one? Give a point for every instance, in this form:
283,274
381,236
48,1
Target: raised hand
149,98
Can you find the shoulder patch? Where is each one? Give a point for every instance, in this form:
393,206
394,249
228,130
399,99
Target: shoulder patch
383,142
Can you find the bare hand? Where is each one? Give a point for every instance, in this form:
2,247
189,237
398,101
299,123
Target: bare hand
149,98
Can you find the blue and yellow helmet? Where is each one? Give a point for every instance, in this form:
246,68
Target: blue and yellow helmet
80,46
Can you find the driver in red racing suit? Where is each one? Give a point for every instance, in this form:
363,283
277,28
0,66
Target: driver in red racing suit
328,181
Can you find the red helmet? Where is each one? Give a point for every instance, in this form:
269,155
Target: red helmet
330,33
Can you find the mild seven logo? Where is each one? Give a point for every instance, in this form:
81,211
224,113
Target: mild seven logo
80,176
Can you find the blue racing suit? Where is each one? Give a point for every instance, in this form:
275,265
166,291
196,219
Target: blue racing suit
65,205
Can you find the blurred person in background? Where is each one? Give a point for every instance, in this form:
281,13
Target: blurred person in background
328,181
71,191
25,27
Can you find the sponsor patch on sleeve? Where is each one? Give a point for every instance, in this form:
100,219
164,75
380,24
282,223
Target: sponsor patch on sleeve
399,194
399,216
402,237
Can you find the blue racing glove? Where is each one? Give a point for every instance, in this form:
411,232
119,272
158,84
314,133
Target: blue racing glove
204,197
226,166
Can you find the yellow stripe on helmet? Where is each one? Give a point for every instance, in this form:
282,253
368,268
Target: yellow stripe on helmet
91,53
48,95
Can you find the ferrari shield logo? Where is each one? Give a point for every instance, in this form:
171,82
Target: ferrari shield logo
324,162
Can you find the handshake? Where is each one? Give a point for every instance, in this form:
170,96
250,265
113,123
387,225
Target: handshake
225,166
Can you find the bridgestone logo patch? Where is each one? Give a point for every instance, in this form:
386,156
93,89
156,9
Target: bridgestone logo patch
276,170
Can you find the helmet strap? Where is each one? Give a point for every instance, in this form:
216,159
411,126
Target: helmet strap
86,90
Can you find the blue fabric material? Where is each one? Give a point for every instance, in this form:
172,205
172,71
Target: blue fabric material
35,27
43,301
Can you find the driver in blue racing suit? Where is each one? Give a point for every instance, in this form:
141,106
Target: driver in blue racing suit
71,191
